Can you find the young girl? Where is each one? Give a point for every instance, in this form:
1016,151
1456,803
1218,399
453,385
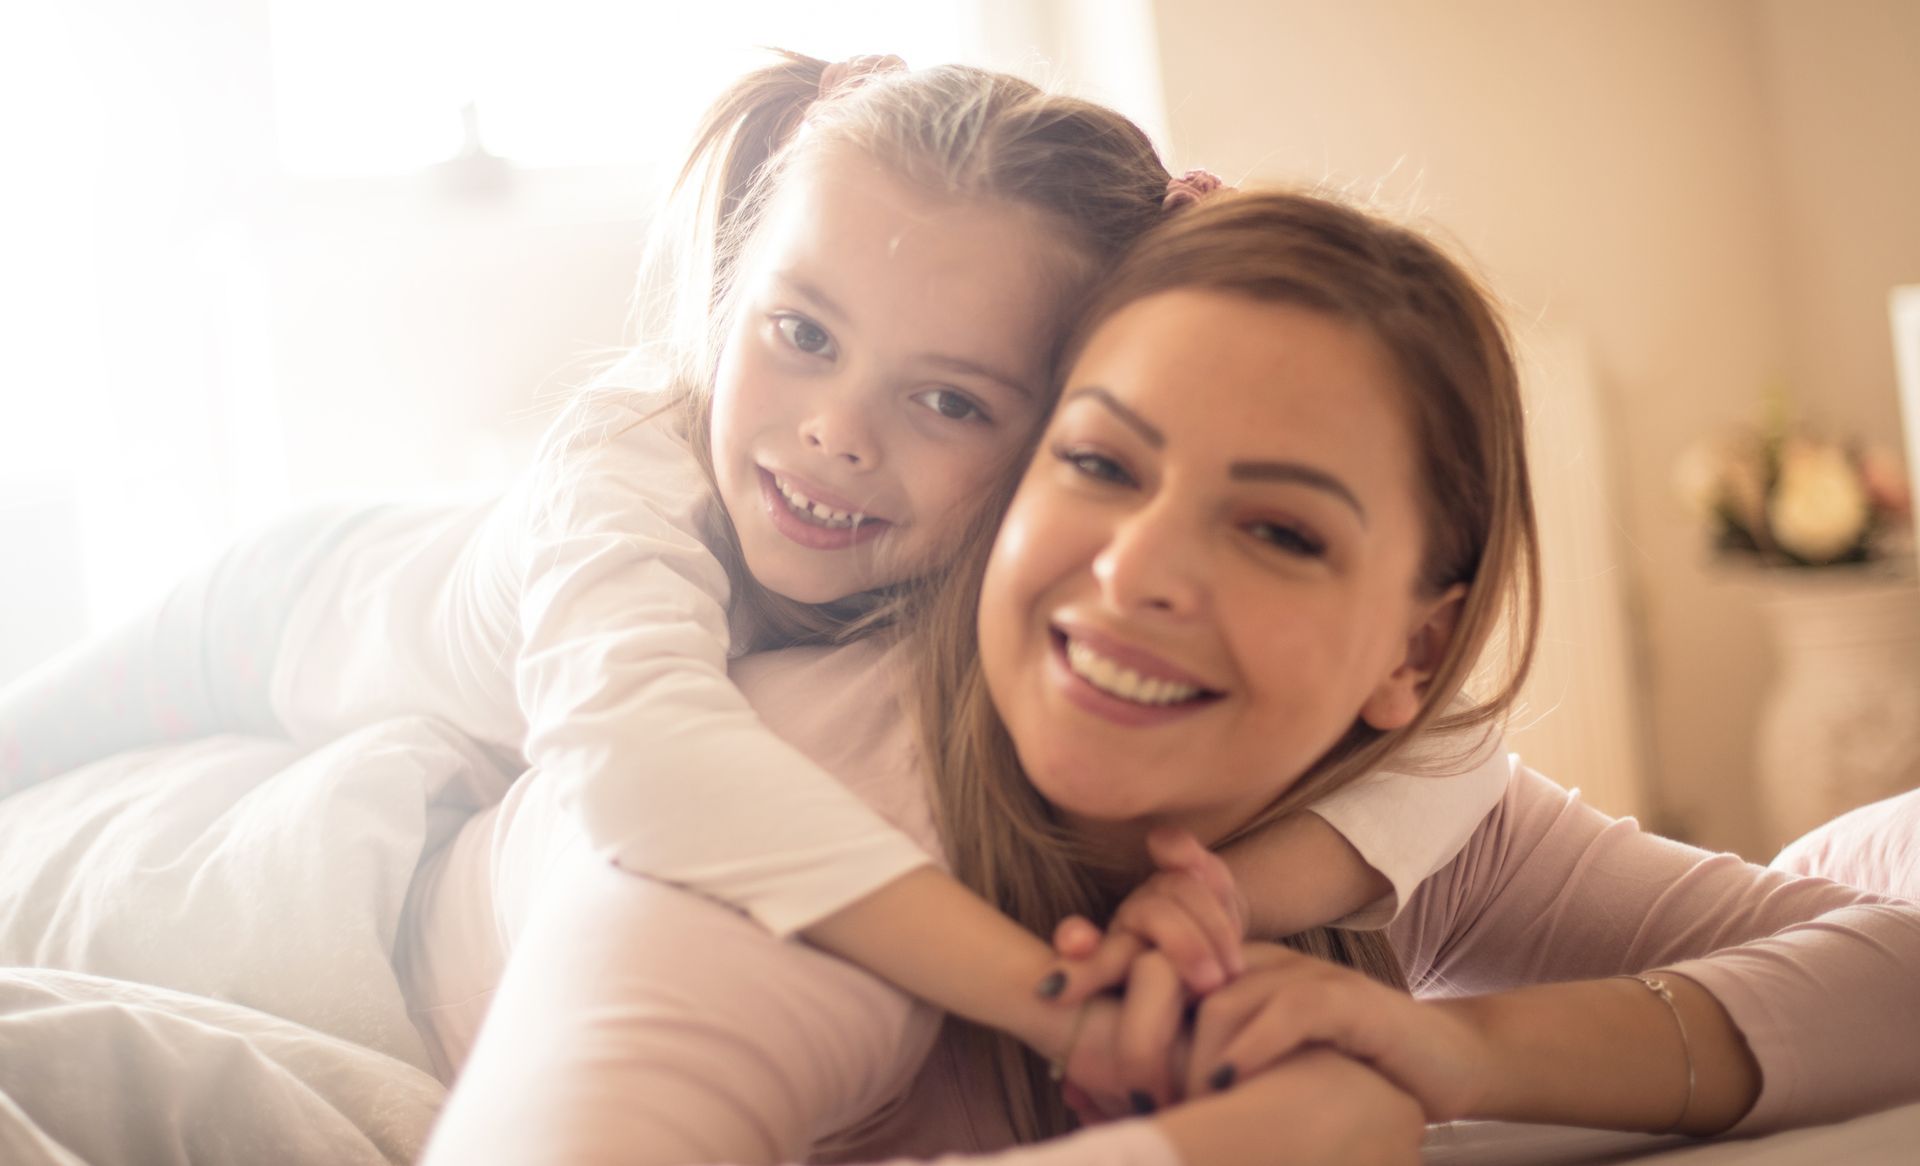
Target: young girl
882,264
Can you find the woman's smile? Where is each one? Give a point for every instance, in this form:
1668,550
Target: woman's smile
1210,564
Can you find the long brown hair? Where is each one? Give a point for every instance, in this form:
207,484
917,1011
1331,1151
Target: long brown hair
1463,401
953,130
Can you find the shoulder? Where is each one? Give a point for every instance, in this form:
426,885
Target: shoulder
845,708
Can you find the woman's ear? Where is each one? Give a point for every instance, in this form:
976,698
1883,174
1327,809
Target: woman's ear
1398,698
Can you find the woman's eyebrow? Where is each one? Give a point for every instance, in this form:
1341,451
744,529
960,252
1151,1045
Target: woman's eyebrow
1148,432
1300,474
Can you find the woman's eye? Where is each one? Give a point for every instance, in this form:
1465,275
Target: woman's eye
805,335
1289,539
953,405
1091,464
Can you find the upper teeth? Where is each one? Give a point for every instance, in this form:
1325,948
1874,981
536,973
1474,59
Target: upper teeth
816,510
1123,682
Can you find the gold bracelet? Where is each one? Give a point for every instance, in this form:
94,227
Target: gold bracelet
1659,988
1057,1067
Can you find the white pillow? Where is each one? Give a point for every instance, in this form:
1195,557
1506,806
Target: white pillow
237,869
106,1073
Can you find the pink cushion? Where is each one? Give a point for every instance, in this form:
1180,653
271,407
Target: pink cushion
1876,848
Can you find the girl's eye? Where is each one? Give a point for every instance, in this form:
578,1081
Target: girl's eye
1092,464
953,405
805,335
1289,539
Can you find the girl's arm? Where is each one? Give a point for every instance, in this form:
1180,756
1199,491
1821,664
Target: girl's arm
1356,856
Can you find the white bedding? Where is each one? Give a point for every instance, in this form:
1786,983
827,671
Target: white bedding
232,909
105,1072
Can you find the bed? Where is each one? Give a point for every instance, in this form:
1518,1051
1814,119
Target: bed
196,949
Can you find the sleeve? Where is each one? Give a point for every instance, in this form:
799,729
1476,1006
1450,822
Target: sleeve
623,679
1407,825
640,1024
1818,977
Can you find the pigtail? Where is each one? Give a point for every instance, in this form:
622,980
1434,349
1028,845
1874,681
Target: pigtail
738,135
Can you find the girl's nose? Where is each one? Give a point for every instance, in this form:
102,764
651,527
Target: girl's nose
840,431
1150,563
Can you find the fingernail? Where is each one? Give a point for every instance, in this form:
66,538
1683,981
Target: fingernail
1142,1103
1052,984
1222,1079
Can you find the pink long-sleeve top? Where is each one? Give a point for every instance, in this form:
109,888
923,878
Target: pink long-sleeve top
642,1023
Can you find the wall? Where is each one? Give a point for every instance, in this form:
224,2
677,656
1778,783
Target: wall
1845,95
1612,169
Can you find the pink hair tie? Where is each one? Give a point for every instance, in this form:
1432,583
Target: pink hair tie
1190,188
855,72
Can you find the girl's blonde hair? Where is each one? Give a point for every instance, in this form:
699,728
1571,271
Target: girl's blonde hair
1463,401
954,131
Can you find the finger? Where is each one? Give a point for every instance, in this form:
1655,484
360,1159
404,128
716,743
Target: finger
1082,1104
1149,1022
1165,920
1304,1009
1105,968
1076,937
1178,850
1172,848
1216,1022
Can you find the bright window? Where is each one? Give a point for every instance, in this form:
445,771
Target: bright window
366,87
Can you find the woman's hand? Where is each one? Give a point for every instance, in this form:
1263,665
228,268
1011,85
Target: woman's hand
1190,910
1317,1108
1288,1002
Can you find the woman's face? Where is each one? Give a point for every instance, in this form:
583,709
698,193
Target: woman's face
1209,570
886,358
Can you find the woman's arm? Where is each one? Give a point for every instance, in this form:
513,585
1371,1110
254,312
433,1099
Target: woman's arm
638,1023
1795,996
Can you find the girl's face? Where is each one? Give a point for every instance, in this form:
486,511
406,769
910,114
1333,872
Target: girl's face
887,356
1209,570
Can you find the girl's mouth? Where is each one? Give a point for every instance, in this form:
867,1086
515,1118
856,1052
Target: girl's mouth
810,522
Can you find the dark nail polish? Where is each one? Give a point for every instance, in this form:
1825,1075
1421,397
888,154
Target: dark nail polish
1142,1104
1222,1078
1052,984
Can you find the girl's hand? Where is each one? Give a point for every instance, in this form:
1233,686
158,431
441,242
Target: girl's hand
1317,1108
1190,911
1288,1002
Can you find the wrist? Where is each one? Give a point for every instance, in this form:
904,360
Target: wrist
1483,1089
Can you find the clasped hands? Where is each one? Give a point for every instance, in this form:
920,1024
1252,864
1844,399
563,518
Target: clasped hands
1179,1005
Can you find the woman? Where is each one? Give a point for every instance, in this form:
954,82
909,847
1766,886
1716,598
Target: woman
1285,485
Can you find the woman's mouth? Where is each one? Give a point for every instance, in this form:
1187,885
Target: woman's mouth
1127,691
813,522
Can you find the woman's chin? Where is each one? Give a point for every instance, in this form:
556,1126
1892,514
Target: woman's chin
1092,795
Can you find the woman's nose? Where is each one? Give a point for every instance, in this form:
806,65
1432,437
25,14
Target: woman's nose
1151,563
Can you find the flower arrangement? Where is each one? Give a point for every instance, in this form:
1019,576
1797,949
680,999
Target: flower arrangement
1779,497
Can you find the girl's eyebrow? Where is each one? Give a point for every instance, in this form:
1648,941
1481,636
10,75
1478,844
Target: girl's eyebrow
975,368
808,291
1260,471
